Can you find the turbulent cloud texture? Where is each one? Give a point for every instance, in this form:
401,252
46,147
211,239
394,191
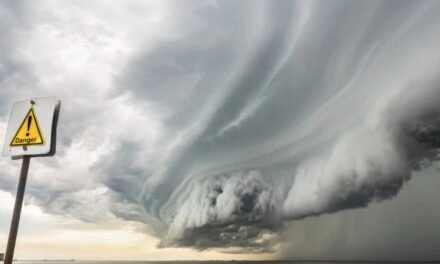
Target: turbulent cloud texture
215,122
336,106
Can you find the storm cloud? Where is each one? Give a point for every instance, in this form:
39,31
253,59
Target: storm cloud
216,123
321,119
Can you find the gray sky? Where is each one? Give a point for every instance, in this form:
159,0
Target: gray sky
403,228
219,125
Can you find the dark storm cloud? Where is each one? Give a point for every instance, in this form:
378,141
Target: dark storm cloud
245,237
232,118
284,118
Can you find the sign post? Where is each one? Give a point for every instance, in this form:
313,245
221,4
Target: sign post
31,133
17,210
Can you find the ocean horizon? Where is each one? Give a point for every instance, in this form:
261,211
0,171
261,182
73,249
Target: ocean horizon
63,261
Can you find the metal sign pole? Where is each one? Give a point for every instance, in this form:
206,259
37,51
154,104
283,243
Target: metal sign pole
17,210
28,136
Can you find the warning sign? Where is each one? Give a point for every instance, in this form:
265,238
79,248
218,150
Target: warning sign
29,132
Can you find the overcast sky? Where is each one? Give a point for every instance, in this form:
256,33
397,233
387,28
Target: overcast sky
227,129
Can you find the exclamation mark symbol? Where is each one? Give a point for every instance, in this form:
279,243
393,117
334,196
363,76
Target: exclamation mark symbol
29,125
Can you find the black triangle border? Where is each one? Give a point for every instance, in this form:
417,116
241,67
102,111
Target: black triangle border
22,123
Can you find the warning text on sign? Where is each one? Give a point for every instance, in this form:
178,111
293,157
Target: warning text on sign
24,141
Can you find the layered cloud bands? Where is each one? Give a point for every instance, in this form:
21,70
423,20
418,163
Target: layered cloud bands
331,107
213,123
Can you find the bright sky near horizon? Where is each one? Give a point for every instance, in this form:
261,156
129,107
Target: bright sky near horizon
46,236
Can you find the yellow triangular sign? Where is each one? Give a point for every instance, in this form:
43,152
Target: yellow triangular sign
29,132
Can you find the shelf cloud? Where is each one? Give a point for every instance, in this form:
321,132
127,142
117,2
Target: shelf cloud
228,119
